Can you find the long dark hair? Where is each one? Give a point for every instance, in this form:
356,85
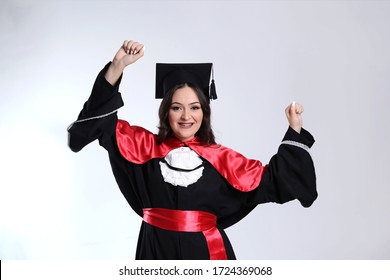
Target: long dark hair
205,132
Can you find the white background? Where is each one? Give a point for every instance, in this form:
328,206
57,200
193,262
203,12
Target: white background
332,56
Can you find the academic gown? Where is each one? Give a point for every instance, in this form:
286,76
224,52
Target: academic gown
289,175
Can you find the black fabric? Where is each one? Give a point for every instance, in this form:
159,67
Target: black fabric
169,75
290,175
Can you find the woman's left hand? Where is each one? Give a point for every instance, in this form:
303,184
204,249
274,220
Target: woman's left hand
294,116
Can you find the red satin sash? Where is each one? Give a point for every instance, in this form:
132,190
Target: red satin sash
189,221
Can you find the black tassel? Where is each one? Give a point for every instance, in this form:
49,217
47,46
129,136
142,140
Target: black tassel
213,91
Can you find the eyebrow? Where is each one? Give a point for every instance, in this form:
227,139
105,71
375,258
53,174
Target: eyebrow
192,103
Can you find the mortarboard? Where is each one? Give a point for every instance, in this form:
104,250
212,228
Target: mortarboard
169,75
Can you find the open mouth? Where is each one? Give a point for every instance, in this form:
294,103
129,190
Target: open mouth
185,125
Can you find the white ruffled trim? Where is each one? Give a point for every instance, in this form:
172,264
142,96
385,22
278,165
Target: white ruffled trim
183,158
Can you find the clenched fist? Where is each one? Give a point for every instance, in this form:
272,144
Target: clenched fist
129,52
294,116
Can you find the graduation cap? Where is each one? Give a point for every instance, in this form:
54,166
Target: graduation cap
169,75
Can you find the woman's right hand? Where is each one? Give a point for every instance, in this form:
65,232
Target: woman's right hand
129,53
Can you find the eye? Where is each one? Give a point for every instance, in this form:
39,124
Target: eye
175,108
194,108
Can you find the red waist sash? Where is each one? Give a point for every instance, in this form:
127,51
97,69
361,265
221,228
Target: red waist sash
189,221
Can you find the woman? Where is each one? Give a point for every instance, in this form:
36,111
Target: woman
187,188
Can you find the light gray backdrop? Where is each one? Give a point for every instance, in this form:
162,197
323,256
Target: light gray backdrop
332,56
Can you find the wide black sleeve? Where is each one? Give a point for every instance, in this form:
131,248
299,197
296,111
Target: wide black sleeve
98,118
290,173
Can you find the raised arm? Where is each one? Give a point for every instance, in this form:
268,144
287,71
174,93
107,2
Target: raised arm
290,173
97,119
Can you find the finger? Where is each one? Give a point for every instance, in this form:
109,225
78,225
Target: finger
138,48
140,53
130,47
299,109
127,46
124,43
289,110
294,108
134,47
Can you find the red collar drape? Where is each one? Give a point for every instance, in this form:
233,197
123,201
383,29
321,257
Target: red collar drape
139,145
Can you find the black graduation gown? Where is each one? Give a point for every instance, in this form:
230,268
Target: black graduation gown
289,175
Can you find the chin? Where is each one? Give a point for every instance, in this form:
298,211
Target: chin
184,138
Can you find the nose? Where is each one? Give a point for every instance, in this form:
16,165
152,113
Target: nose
185,115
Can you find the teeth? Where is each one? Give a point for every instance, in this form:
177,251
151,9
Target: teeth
185,124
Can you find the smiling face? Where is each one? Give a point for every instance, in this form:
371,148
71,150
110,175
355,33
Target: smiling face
185,114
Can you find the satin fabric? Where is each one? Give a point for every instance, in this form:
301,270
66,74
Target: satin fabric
139,145
189,221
